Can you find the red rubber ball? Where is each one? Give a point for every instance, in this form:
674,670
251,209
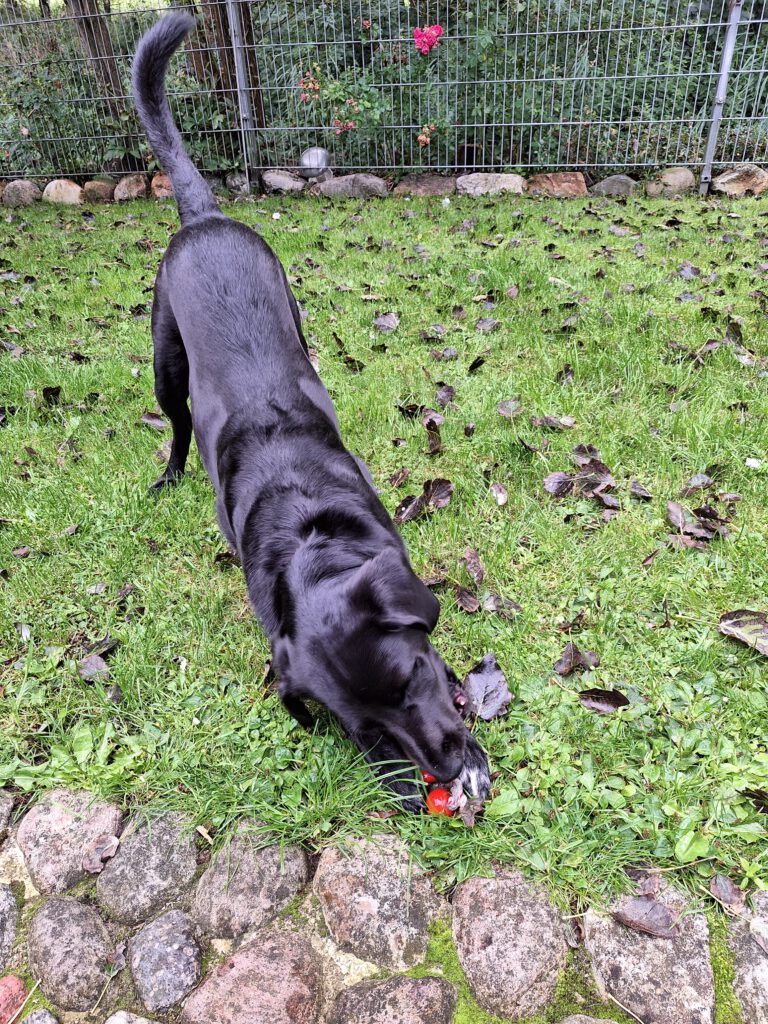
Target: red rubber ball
437,802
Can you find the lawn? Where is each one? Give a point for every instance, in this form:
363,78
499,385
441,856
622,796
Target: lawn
600,308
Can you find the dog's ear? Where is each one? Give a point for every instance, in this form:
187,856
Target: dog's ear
394,594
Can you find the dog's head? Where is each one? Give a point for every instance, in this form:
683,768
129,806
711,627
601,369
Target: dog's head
361,648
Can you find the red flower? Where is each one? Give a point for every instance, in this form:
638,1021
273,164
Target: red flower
427,38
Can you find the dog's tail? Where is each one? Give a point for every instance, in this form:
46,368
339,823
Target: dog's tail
156,47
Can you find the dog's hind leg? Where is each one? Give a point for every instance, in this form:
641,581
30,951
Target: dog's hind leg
171,386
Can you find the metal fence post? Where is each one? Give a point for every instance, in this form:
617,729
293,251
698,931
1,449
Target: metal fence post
245,108
734,16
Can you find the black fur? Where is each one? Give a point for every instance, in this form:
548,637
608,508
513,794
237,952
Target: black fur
327,573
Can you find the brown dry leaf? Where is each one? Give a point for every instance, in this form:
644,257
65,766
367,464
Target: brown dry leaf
387,322
474,566
558,484
748,627
727,894
99,850
93,667
573,658
467,601
604,702
510,408
499,492
645,914
154,420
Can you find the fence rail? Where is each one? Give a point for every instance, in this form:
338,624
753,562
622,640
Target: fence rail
503,85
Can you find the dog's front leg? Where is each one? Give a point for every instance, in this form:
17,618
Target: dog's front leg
475,775
296,707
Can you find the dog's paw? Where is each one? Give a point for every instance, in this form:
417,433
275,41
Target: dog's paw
475,775
166,480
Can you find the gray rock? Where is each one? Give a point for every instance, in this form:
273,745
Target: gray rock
425,185
274,980
69,949
746,179
376,903
579,1018
154,866
132,186
64,191
8,916
121,1017
748,939
511,943
674,181
558,185
56,833
165,961
354,186
490,184
6,806
246,887
615,185
282,181
237,182
662,981
40,1017
397,1001
100,190
21,193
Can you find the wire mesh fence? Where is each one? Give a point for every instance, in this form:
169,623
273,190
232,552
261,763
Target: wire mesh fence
390,84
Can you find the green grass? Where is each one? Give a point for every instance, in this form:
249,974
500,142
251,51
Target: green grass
579,796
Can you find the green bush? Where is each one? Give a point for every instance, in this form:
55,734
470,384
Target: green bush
510,84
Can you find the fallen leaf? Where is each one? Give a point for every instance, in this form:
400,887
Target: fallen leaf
500,605
727,894
558,484
93,667
748,627
154,420
387,322
573,658
474,566
553,422
410,508
593,477
437,493
697,483
640,493
646,914
510,408
446,354
102,848
582,454
467,601
469,811
476,363
499,492
486,324
444,395
565,376
650,559
486,687
23,552
399,477
605,702
512,292
51,395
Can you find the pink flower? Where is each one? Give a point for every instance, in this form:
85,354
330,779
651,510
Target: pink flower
365,23
427,38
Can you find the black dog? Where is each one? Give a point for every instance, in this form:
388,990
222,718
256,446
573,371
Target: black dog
327,573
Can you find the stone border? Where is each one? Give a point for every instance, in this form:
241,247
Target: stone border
743,179
118,919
